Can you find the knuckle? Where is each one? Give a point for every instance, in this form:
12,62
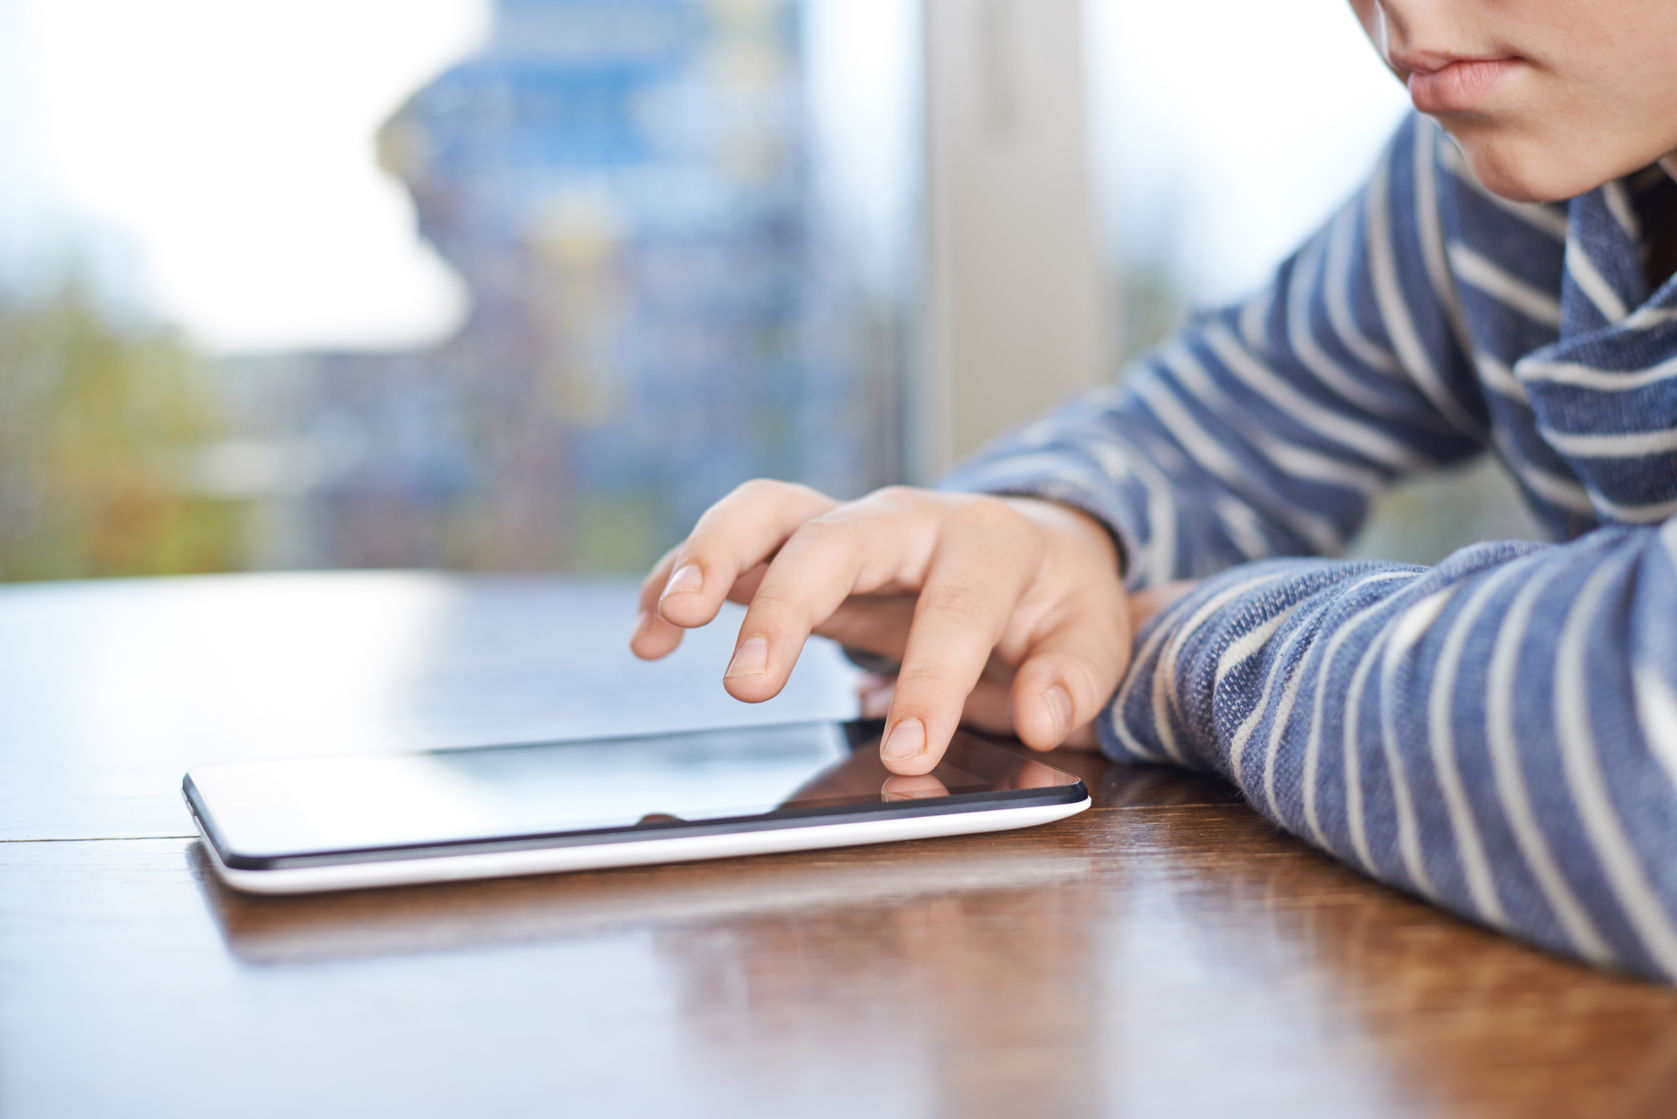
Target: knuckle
753,490
897,497
917,681
1007,535
771,495
960,602
993,517
985,506
775,602
1079,678
830,536
825,526
833,531
801,491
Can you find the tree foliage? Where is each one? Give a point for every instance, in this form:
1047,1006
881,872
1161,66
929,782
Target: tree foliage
99,422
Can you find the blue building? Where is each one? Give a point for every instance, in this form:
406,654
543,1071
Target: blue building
655,317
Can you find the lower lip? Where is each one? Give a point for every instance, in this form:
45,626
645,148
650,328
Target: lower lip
1461,86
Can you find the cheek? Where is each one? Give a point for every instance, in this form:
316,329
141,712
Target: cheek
1581,118
1602,103
1627,91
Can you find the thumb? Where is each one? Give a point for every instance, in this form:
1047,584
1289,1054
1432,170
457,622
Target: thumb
1067,677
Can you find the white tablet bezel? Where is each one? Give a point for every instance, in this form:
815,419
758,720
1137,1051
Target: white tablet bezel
632,850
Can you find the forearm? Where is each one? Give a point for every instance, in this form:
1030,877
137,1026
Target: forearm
1498,733
1265,429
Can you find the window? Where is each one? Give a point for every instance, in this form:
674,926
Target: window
522,284
528,284
1224,133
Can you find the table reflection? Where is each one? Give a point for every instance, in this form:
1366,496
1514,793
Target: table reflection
1143,959
1161,955
458,916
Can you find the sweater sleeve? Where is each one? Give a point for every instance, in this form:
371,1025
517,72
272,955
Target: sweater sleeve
1497,734
1266,428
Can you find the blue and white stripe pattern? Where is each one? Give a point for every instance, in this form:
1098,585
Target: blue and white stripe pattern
1498,733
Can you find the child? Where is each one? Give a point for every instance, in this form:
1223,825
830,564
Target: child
1497,733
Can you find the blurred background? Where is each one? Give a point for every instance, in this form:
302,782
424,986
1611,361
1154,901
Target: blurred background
524,285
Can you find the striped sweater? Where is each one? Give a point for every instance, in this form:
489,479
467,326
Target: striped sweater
1498,733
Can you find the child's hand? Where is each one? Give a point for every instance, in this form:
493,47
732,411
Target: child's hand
990,705
947,584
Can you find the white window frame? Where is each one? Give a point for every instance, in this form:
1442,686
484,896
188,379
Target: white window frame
1018,310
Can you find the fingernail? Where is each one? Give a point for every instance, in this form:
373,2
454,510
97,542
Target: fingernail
1059,705
686,578
752,659
907,739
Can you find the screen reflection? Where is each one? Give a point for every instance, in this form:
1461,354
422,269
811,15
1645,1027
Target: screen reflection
303,806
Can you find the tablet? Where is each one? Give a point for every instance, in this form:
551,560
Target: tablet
310,824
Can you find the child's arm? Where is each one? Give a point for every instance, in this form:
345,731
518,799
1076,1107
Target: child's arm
1497,734
1265,429
1263,432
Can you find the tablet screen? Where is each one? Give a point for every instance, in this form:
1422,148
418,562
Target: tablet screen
316,806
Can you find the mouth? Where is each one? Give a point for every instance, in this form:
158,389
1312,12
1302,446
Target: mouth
1446,84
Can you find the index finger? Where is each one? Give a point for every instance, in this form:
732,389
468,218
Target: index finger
974,583
688,586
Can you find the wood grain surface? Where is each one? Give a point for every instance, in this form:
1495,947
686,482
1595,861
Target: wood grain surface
1166,953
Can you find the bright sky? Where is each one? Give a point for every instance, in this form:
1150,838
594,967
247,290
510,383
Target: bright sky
862,88
217,157
1231,128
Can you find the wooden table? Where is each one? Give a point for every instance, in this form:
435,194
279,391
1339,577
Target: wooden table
1166,953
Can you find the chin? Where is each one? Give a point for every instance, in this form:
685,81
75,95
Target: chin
1523,169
